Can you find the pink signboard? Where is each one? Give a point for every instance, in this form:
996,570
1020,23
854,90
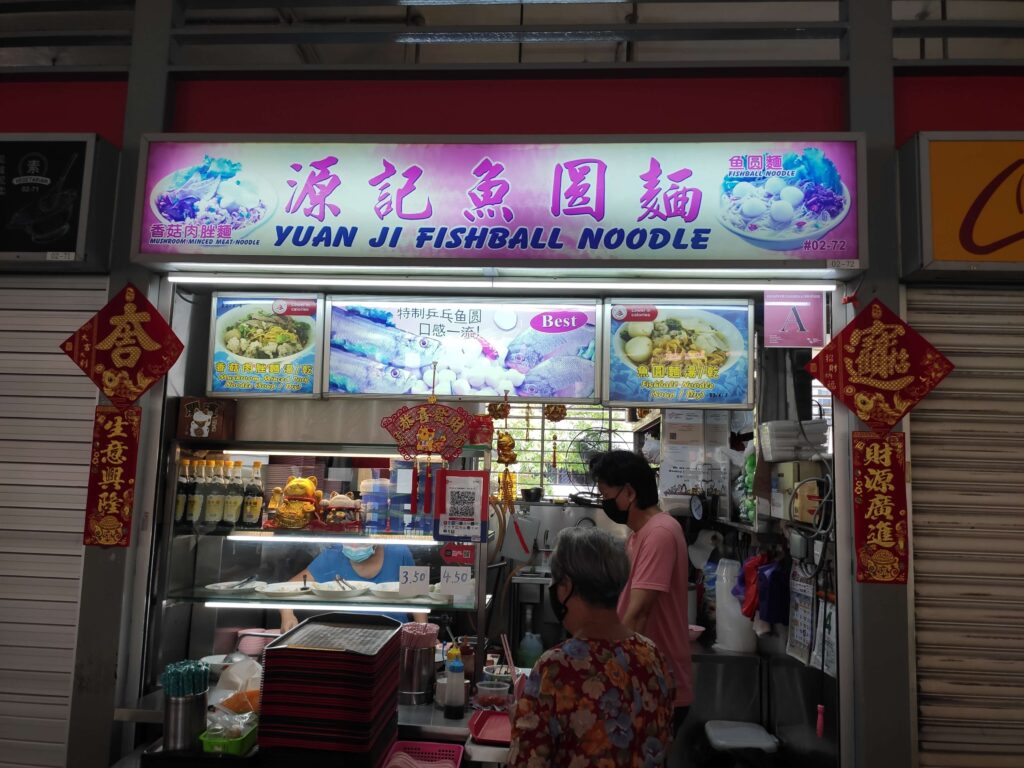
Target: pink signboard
794,319
657,200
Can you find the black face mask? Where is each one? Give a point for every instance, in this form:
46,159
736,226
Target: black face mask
616,515
558,608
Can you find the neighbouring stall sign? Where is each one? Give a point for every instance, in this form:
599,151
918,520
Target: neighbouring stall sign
880,523
111,492
678,354
125,348
976,209
541,351
794,319
265,345
879,367
42,184
656,200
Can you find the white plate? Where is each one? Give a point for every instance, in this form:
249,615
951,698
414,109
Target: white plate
216,663
737,347
290,588
231,586
388,590
331,590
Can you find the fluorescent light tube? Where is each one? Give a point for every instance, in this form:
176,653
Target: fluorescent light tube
336,606
268,537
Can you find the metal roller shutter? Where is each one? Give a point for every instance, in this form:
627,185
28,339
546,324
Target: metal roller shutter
968,531
46,412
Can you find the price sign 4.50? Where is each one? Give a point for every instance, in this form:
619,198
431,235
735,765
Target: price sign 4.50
456,580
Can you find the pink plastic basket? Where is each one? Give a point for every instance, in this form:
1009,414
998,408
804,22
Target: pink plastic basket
426,751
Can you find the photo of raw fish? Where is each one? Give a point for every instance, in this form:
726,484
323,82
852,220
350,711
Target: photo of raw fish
357,375
382,343
531,347
560,377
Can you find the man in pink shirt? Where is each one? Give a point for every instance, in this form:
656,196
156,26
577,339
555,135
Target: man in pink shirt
654,600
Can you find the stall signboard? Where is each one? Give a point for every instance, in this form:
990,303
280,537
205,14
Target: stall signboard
125,348
692,354
794,319
111,492
880,522
534,351
265,345
879,367
659,199
975,194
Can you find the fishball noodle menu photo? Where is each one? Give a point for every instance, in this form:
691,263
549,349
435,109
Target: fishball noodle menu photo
678,353
265,345
536,351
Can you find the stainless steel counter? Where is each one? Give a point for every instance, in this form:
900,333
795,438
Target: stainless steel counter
427,722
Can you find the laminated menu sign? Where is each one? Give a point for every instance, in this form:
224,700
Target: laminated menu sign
111,492
537,351
880,523
265,345
679,353
461,505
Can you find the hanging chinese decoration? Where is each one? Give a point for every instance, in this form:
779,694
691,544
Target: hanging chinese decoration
506,445
125,349
554,413
423,430
880,523
111,493
879,367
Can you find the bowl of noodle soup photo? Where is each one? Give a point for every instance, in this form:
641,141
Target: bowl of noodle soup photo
253,333
679,336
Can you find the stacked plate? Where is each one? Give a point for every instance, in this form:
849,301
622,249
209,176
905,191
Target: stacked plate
331,685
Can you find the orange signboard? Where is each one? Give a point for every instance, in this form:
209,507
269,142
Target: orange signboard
977,200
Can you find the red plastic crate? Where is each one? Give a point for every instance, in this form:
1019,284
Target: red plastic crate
426,751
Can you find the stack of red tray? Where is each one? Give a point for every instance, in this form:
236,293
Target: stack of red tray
331,685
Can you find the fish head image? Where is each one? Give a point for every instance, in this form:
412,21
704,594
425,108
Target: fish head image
521,358
560,377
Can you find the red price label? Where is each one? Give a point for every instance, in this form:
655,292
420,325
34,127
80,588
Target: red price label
634,313
458,554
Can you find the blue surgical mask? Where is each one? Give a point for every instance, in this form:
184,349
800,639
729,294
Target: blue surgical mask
358,554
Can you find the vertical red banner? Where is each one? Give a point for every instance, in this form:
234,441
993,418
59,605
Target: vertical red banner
115,450
880,523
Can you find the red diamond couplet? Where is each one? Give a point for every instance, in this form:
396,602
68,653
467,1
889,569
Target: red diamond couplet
125,347
879,367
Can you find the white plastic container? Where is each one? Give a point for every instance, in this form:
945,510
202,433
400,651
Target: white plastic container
734,631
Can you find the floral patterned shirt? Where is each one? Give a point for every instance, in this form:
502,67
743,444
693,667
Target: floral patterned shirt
594,704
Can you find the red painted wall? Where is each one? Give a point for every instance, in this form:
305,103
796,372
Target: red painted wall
606,105
958,103
55,106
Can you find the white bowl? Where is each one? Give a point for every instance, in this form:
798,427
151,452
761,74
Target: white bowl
737,347
241,312
793,242
216,663
331,590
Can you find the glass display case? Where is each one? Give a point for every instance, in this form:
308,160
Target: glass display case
257,534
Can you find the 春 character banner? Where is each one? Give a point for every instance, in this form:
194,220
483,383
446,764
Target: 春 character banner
880,523
111,493
125,347
879,367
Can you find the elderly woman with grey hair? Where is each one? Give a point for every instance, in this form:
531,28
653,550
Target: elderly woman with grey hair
604,696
